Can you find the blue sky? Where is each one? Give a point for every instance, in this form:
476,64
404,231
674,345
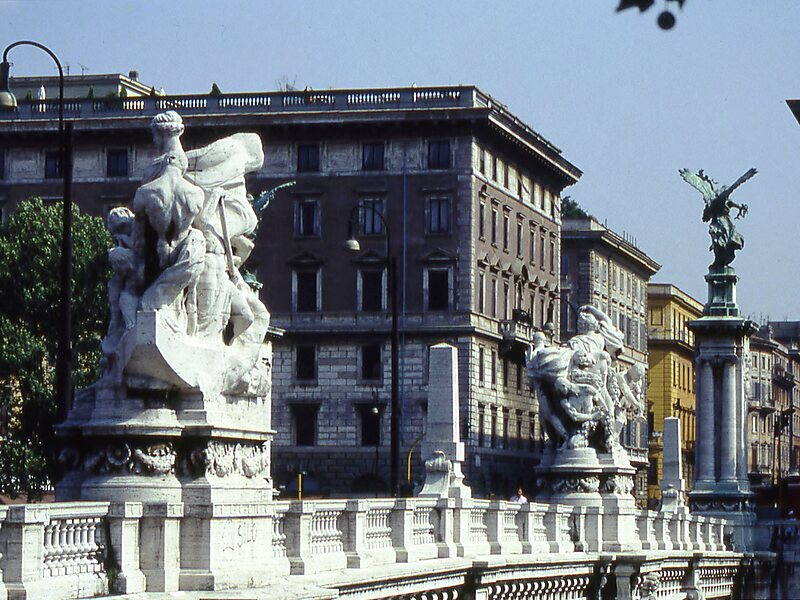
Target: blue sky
627,103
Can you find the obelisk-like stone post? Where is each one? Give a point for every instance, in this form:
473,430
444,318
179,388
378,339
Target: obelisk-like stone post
442,449
673,487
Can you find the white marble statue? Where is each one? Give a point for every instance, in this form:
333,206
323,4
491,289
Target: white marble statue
584,397
176,283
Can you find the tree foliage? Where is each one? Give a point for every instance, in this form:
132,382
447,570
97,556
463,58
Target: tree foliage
30,255
570,209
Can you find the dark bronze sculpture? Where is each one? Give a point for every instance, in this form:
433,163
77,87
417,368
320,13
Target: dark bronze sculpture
725,240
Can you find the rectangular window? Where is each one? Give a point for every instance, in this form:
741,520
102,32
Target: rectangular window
494,298
494,226
438,289
519,430
552,255
481,365
494,427
505,373
542,255
519,186
532,244
117,163
482,221
657,316
305,363
494,168
506,301
52,165
481,424
520,245
371,290
537,194
370,213
506,226
370,415
372,159
308,158
304,417
481,293
306,218
520,368
505,175
494,367
439,154
482,161
306,291
371,366
506,423
532,433
438,215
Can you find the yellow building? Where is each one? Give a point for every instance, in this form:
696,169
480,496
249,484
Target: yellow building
670,390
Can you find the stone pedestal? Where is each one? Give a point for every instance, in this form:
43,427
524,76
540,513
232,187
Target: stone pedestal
722,337
598,486
198,463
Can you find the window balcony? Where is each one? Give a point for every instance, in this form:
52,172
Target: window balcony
517,334
764,403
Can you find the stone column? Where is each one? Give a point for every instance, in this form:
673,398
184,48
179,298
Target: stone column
728,450
705,423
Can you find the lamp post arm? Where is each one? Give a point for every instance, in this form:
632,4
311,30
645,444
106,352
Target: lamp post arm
52,55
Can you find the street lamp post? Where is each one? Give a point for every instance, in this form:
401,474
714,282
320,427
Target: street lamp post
9,102
352,244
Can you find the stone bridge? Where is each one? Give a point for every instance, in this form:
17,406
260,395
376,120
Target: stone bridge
377,548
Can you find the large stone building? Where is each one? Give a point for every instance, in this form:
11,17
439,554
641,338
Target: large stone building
774,413
602,268
670,391
471,198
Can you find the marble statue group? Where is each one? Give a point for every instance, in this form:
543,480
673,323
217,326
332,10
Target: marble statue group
585,397
177,256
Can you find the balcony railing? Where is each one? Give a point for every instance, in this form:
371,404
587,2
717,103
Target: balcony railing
658,333
761,402
782,374
262,102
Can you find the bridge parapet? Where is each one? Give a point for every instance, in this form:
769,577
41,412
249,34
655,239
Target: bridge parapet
82,549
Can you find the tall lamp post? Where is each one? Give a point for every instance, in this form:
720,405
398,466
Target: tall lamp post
9,102
353,245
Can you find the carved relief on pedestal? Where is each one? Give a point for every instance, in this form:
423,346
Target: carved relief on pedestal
587,485
618,484
223,459
121,457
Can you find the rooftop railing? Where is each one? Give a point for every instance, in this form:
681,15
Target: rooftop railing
317,101
259,102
